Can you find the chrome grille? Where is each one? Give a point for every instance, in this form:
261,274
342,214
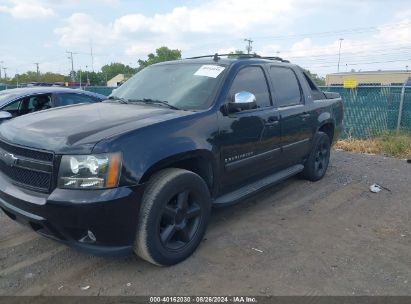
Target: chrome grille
29,168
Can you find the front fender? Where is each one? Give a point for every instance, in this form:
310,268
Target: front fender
153,146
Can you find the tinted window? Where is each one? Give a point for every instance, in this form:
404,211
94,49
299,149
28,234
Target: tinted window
315,91
252,79
286,86
71,98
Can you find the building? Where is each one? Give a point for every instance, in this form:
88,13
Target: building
376,78
117,80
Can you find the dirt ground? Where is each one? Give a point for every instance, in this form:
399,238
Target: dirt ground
333,237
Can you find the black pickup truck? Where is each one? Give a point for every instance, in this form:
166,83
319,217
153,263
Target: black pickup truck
140,171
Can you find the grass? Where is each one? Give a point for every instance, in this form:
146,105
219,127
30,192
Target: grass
388,144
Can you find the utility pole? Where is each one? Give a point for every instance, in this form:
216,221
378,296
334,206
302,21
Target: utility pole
92,56
5,75
339,55
88,80
72,65
1,62
249,47
80,79
38,71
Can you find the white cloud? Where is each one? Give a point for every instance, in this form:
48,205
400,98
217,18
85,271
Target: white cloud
223,16
184,28
26,10
80,28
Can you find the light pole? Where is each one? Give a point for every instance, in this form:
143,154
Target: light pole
339,55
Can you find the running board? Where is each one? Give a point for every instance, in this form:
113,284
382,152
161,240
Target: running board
248,190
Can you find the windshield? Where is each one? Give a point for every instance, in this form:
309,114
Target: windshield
183,86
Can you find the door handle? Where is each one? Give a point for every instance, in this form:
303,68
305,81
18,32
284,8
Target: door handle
272,121
305,115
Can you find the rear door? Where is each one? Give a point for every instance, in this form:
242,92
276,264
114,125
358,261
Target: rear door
296,121
249,139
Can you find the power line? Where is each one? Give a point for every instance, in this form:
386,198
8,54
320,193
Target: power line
366,63
346,32
359,30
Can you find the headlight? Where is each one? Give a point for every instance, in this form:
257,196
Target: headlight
89,171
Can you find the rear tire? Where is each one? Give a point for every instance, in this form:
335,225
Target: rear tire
173,217
319,158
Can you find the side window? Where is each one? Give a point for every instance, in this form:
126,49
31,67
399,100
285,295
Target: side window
70,99
37,103
315,91
252,79
14,106
286,86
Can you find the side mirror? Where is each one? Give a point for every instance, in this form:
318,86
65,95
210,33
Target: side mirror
242,101
4,115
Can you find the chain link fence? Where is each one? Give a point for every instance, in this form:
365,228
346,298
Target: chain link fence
373,110
368,110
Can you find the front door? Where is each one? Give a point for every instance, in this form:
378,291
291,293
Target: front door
249,139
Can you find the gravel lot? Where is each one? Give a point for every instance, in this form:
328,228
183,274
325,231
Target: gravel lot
333,237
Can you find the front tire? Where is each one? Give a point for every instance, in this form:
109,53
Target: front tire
319,158
173,217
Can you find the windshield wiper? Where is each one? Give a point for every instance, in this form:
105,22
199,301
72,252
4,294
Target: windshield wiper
162,102
120,99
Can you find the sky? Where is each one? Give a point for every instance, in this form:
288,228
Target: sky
376,34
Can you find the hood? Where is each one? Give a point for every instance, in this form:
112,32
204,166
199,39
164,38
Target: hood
76,129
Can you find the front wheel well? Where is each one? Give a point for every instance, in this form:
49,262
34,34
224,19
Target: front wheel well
328,128
197,164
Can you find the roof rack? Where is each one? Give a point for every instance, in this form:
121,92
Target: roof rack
217,56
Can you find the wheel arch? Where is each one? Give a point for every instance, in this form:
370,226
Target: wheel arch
200,162
326,125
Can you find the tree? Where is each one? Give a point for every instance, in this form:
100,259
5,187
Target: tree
115,68
320,81
162,54
235,53
31,76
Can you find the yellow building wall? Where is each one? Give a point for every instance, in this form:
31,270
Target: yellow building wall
382,78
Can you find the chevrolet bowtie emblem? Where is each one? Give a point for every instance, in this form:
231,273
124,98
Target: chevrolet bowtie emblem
9,159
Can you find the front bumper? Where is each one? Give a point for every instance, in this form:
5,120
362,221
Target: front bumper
68,215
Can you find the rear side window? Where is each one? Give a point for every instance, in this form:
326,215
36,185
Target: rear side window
252,79
315,91
70,99
286,86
